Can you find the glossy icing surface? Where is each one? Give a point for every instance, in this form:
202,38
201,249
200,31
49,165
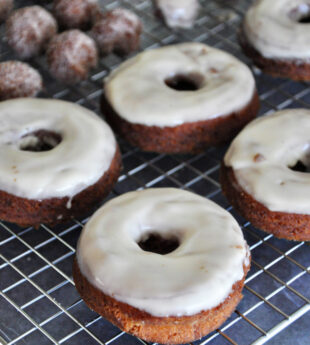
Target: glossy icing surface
78,161
261,156
138,93
210,256
178,13
273,28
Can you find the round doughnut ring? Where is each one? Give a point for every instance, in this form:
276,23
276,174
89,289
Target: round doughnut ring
57,160
163,264
276,35
180,98
264,174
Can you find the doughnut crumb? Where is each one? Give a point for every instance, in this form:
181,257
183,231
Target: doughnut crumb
75,14
71,55
117,31
29,30
18,79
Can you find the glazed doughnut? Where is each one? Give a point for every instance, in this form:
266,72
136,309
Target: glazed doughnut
178,13
51,168
18,79
160,296
180,98
259,174
29,30
275,35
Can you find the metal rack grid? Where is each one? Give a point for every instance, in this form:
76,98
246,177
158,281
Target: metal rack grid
38,300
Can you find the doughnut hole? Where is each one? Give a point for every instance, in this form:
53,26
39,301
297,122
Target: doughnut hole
185,82
301,14
39,141
29,29
71,55
75,13
303,163
6,7
301,167
305,20
117,31
18,79
156,243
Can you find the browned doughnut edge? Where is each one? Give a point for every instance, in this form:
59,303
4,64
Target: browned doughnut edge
164,330
30,212
191,137
297,69
290,226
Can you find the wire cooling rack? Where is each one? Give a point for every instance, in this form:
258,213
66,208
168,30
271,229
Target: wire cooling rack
38,301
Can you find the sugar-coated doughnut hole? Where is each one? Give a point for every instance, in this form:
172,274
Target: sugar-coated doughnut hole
75,13
6,7
29,30
117,31
71,55
18,79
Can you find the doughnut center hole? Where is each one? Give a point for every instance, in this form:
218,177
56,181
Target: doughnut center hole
301,14
39,141
155,243
185,82
300,167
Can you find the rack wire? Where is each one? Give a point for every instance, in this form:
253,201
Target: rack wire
38,301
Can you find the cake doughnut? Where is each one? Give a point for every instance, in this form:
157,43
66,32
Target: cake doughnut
72,14
6,7
263,174
29,30
178,13
275,35
117,31
18,79
71,55
58,160
146,259
180,98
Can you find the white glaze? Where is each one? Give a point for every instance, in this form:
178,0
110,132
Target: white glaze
277,141
197,276
272,27
84,154
138,93
178,13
